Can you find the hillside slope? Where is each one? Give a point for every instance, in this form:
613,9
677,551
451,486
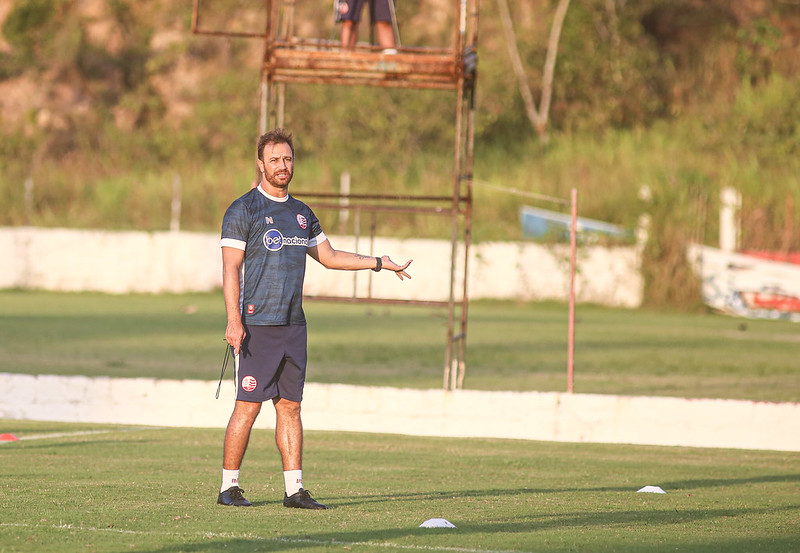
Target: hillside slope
104,106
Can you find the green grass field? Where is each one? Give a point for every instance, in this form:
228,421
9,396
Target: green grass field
88,487
510,346
70,487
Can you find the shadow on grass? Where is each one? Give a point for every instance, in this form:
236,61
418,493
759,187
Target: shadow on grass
49,444
466,536
724,482
443,495
337,502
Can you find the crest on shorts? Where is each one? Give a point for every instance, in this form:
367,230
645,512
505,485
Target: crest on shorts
249,383
302,221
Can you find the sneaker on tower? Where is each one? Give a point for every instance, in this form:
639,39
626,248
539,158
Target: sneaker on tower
301,500
233,496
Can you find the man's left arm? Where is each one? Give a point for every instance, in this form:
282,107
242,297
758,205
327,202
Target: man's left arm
349,261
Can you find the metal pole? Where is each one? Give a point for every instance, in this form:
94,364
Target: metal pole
462,364
195,10
266,80
263,104
573,247
395,28
372,227
357,234
175,208
450,370
281,104
344,201
469,107
29,199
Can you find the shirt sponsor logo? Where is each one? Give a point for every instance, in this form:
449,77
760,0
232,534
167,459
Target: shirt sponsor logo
269,220
251,308
302,221
274,240
249,383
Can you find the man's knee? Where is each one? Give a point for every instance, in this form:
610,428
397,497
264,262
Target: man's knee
285,407
246,410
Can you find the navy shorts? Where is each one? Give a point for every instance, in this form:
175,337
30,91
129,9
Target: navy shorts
350,10
272,363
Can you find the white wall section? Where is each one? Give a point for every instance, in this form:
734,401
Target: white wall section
154,262
548,416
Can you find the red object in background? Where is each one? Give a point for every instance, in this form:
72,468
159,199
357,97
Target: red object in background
771,300
8,438
792,257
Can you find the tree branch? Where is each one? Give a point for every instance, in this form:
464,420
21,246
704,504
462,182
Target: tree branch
550,64
516,62
538,118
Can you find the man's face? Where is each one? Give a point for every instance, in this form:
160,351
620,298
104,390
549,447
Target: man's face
278,165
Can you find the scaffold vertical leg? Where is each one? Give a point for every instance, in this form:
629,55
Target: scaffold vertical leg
448,362
462,362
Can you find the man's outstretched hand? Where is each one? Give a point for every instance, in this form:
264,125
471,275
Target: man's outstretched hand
399,270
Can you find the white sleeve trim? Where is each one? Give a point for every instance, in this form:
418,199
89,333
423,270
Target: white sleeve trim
317,240
233,243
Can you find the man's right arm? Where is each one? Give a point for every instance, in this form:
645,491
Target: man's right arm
232,259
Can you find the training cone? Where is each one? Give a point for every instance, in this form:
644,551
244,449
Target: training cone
8,438
650,489
437,523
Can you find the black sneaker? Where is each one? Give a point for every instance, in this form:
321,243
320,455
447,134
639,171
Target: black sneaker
301,500
233,496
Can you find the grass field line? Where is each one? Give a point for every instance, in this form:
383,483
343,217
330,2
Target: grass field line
250,536
80,433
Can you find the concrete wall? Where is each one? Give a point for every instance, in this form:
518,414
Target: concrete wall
547,416
120,262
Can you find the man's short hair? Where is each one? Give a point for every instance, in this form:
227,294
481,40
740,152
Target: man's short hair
276,136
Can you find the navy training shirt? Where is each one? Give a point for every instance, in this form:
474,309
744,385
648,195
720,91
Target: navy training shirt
275,234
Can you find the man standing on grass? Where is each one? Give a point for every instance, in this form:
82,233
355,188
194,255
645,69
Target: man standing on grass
266,235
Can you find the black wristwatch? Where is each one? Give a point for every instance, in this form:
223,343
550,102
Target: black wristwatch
379,265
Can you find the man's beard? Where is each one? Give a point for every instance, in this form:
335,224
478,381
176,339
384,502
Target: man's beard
277,183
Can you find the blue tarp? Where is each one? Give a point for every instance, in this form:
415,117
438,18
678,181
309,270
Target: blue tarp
540,223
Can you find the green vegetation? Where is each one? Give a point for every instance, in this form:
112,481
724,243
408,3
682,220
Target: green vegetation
140,489
681,97
509,347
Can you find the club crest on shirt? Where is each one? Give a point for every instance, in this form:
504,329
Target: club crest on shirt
302,221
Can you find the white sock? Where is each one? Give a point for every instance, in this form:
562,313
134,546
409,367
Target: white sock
293,480
230,478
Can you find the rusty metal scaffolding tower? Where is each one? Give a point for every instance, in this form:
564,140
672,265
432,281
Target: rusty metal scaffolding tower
291,59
